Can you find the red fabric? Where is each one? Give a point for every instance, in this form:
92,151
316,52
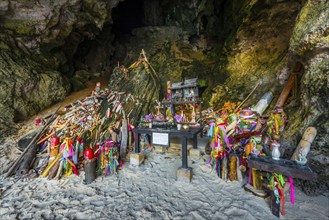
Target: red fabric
75,171
89,154
54,141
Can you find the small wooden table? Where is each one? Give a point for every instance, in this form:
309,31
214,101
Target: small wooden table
183,134
289,168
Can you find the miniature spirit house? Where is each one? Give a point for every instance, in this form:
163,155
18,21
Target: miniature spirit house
185,92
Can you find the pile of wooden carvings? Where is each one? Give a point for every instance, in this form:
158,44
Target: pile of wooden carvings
94,130
245,147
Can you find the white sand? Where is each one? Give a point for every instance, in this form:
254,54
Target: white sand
146,192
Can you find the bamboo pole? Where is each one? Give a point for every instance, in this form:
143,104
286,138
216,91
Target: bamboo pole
247,96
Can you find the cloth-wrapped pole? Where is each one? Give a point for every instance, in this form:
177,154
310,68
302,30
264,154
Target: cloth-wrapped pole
54,147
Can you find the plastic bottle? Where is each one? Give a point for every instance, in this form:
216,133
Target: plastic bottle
275,150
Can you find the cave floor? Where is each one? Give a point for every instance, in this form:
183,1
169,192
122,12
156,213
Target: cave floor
146,192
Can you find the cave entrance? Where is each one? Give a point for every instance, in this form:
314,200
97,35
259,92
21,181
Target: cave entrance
96,51
127,16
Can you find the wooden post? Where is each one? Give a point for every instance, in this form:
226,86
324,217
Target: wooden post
90,170
124,138
184,152
27,160
286,91
292,80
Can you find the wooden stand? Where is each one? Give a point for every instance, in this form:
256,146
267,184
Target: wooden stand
191,133
285,167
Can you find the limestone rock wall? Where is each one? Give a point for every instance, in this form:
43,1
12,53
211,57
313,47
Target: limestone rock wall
310,45
38,40
255,41
230,45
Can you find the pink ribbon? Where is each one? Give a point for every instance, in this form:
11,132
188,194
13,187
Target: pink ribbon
292,191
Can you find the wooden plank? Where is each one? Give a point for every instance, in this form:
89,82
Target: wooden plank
289,85
288,168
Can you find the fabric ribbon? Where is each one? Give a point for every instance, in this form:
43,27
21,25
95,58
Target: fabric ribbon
223,136
292,190
277,181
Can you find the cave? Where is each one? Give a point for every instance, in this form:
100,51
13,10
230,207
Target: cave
127,16
241,52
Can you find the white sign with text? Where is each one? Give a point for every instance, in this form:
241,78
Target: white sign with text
160,139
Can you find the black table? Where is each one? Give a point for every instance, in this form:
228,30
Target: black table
288,168
183,134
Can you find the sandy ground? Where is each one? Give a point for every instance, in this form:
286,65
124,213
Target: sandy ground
146,192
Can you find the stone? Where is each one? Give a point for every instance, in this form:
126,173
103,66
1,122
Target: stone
77,84
25,140
184,174
160,149
195,153
82,75
136,159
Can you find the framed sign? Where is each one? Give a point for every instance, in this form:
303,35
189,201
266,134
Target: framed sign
160,139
